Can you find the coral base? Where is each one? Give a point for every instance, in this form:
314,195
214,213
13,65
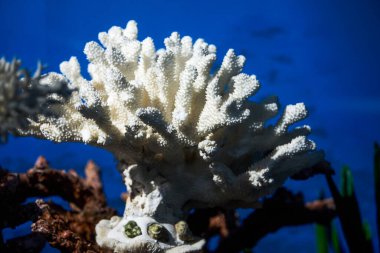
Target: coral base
112,234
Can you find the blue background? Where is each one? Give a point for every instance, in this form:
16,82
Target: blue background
325,53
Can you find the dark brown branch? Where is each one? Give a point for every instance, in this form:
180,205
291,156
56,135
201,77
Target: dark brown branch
283,209
58,227
43,181
69,230
219,223
212,221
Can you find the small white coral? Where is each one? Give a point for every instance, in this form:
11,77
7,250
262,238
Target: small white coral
178,130
23,96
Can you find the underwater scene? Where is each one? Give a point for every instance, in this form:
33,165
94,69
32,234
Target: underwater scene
324,54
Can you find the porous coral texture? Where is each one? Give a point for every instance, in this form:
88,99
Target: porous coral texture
23,96
185,136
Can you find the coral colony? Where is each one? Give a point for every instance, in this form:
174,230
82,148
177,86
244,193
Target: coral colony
23,97
184,137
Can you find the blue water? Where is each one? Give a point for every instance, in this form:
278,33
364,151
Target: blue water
325,53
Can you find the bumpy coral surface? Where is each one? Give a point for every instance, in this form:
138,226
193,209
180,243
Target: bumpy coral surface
23,96
185,136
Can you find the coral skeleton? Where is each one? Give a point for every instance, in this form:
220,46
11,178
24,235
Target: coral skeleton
185,137
23,96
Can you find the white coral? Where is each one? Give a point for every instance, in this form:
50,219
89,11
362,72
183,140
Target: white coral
189,138
23,96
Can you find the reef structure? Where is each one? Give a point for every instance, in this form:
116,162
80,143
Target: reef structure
185,136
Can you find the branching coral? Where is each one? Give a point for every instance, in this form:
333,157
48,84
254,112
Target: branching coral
184,137
23,96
